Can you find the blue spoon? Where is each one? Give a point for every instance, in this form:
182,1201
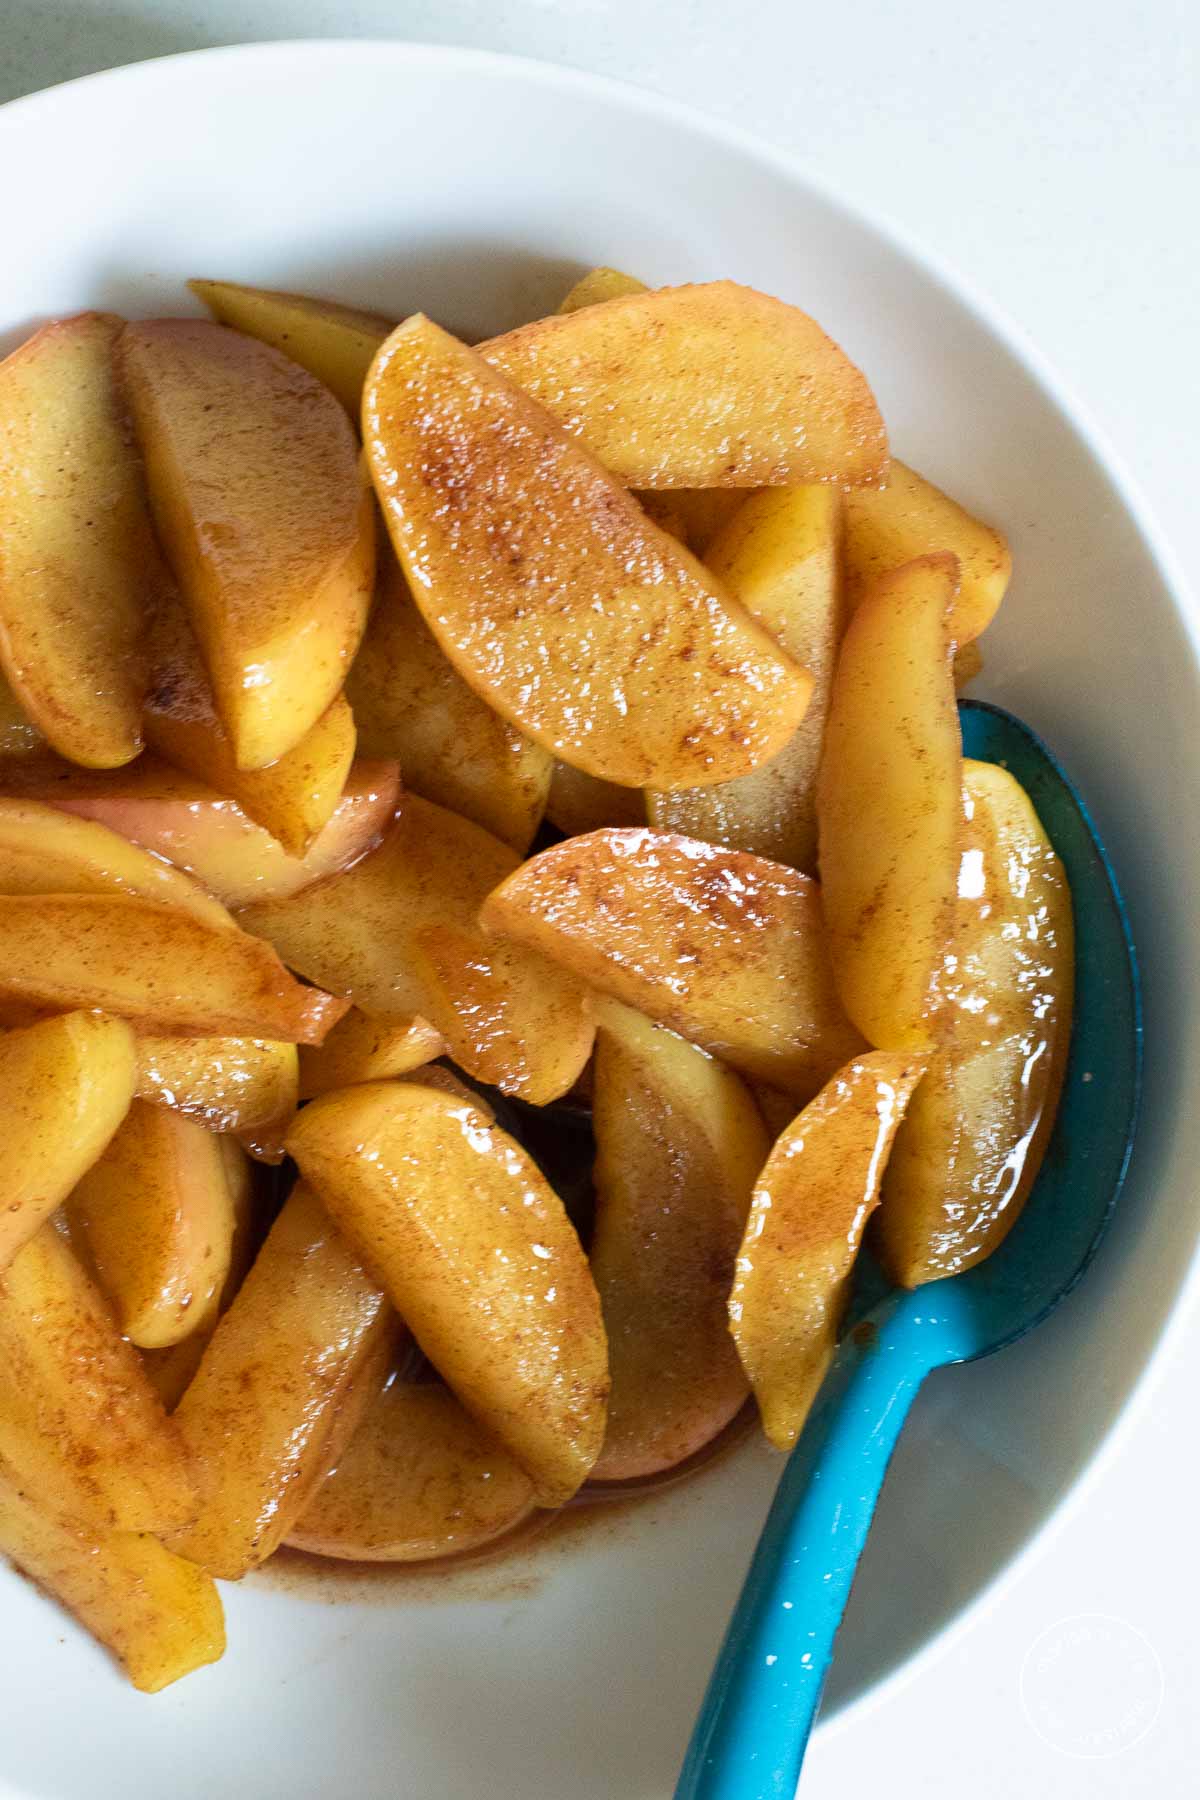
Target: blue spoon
762,1699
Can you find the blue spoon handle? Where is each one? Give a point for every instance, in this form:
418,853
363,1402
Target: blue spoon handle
762,1698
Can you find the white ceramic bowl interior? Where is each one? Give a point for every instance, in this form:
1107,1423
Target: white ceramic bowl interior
477,188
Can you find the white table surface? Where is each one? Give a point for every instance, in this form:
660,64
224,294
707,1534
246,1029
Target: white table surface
1050,149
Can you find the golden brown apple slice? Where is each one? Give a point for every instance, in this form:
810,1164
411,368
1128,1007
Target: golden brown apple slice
155,965
679,1144
398,934
258,1415
781,558
972,1142
157,1214
889,804
476,1250
207,834
578,802
295,798
419,1479
79,1420
907,517
159,1615
363,1047
711,385
333,342
45,851
19,736
599,285
226,1083
968,666
65,1086
411,704
810,1208
258,498
726,949
552,592
79,568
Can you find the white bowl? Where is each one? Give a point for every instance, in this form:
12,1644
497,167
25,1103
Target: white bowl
476,187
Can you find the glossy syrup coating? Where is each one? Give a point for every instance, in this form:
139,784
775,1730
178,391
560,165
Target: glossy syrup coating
551,591
970,1147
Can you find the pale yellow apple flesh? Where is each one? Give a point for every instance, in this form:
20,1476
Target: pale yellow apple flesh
258,499
724,948
79,568
810,1208
679,1143
335,343
551,591
976,1131
598,285
476,1251
889,804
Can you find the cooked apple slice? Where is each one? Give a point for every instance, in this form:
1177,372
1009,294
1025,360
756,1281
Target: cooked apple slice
444,1081
968,665
258,1416
411,704
695,516
711,385
578,802
552,592
889,804
79,568
226,1083
65,1087
398,934
777,1108
907,517
810,1208
19,736
155,965
476,1250
79,1421
363,1047
45,851
679,1144
297,796
973,1140
599,285
726,949
419,1479
335,343
157,1214
207,834
159,1615
259,501
781,558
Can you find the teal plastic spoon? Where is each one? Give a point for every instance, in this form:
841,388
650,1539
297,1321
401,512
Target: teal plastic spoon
762,1699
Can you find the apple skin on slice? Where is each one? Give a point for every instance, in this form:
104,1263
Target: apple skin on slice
80,572
550,590
258,498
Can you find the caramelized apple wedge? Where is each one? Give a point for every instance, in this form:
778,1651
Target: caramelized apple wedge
258,499
679,1144
19,736
906,517
295,798
208,835
398,934
889,804
419,1479
810,1209
781,558
79,568
411,704
158,1218
159,1615
598,285
155,965
65,1087
259,1416
726,949
80,1424
225,1083
711,385
476,1250
973,1140
363,1047
550,590
335,343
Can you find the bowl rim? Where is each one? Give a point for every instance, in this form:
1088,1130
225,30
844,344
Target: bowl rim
22,113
